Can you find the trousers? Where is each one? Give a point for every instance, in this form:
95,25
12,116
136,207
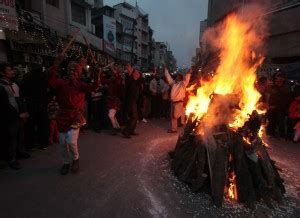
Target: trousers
177,111
132,113
69,145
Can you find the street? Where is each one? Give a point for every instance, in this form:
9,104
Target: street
127,178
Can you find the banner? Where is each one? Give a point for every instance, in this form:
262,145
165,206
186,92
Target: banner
109,35
8,15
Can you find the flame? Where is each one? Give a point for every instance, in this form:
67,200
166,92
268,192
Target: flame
239,46
232,190
260,134
247,140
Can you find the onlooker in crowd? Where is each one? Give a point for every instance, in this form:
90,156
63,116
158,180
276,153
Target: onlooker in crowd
34,90
156,87
294,115
146,96
279,101
178,91
264,86
99,105
114,93
53,108
131,100
141,101
97,99
71,99
10,115
165,105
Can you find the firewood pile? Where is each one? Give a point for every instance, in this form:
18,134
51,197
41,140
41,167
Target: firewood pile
232,164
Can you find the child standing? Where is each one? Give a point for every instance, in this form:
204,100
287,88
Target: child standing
53,130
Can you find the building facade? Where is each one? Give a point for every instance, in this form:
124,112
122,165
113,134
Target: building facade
159,54
283,44
45,27
137,35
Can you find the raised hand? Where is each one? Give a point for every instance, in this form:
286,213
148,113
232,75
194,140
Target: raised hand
129,68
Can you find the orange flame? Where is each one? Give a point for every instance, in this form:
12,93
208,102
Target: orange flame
239,46
260,134
232,189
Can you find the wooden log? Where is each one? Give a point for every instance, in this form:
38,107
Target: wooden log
201,161
245,189
184,161
269,173
183,148
219,174
190,125
186,175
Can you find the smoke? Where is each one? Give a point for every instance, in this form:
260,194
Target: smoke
253,14
238,42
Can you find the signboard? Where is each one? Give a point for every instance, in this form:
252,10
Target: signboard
109,35
8,15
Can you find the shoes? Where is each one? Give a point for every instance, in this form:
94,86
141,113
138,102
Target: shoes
126,135
98,131
65,169
134,134
14,165
144,120
172,131
75,166
44,147
23,155
114,131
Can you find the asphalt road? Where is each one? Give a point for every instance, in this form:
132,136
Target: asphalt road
122,178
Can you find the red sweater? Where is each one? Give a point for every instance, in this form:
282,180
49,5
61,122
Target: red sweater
114,93
70,97
294,110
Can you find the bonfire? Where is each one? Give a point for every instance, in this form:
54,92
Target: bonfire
221,149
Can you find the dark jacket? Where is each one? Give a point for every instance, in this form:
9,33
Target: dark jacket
132,90
8,113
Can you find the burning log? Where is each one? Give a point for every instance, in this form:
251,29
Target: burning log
232,167
219,174
232,163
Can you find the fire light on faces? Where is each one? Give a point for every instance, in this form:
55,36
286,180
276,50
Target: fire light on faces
240,56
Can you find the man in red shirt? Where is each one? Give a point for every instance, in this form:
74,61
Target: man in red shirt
114,98
71,99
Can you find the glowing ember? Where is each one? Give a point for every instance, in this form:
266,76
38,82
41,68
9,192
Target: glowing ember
260,134
239,46
231,187
247,140
232,191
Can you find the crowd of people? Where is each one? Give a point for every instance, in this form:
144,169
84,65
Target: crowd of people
53,106
281,98
42,108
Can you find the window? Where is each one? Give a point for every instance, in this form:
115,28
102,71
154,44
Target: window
54,3
78,14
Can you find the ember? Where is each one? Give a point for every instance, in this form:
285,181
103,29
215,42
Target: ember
221,147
